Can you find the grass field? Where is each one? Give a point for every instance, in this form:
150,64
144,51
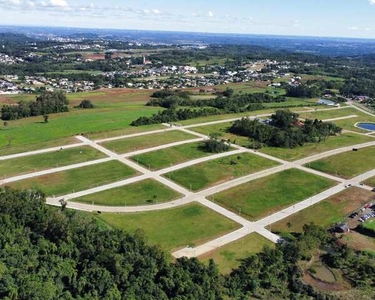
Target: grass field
75,180
327,212
329,114
55,159
191,224
348,124
370,182
147,141
348,164
219,170
334,142
160,159
370,224
267,195
7,150
223,129
115,110
32,130
229,256
140,193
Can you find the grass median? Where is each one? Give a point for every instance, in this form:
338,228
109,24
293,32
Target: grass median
75,180
140,193
147,141
39,162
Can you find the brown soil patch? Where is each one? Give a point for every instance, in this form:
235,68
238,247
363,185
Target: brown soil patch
94,56
332,287
358,241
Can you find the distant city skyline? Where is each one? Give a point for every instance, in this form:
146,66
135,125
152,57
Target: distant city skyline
333,18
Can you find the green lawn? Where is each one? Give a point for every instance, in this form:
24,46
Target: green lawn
140,193
8,150
329,114
77,179
160,159
348,164
32,131
370,224
192,224
267,195
327,212
147,141
229,256
222,128
55,159
370,182
219,170
334,142
348,124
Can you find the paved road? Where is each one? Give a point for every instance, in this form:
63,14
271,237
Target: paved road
188,196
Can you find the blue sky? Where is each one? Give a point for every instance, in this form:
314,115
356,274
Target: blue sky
344,18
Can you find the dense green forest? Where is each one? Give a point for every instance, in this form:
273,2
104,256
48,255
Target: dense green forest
51,253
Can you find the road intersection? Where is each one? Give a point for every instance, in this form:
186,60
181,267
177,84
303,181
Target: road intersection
188,196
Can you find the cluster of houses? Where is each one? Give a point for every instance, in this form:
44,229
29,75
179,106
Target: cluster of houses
8,88
10,84
9,60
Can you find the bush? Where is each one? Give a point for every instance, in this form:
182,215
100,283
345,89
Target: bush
85,104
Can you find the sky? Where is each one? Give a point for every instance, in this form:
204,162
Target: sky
337,18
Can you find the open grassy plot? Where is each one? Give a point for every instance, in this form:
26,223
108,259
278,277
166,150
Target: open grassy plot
329,113
229,256
370,224
32,130
225,117
370,182
223,129
160,159
348,124
267,195
147,141
348,164
140,193
219,170
8,150
334,142
359,242
55,159
114,111
327,212
77,179
191,224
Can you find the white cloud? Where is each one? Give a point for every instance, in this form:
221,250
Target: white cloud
353,28
15,2
210,14
59,3
372,2
156,11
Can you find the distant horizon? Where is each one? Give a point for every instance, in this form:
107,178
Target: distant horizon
308,18
183,31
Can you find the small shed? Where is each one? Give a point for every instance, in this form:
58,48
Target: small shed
342,228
